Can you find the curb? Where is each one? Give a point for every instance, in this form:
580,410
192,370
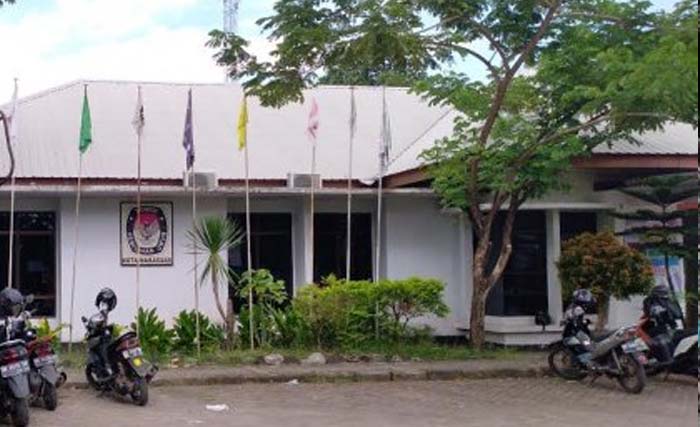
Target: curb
335,377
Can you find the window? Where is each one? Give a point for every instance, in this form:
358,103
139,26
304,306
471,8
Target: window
34,257
330,246
574,223
522,291
271,246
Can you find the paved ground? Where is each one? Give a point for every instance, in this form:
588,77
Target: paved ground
537,402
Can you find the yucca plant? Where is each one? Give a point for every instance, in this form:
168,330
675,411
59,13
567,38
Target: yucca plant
211,237
156,339
211,334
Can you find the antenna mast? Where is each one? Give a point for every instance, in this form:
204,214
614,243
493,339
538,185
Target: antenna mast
230,20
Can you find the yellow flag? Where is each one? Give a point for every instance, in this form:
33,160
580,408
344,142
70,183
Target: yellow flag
243,125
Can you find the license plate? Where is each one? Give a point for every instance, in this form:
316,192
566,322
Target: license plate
14,369
632,347
132,353
45,360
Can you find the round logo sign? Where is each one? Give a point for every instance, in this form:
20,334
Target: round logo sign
148,231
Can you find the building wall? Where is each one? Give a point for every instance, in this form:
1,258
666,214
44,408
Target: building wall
170,289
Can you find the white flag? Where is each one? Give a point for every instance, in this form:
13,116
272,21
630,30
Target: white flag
139,120
385,150
14,116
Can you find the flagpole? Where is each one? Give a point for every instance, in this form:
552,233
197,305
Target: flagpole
249,252
380,188
75,251
348,248
196,279
139,137
13,136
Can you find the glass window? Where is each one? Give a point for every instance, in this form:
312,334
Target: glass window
522,291
572,224
34,257
330,246
271,246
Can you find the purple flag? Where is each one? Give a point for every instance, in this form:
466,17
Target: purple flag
188,136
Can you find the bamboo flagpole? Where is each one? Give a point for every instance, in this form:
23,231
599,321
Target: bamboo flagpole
138,122
243,145
83,144
384,152
353,129
13,121
188,145
312,132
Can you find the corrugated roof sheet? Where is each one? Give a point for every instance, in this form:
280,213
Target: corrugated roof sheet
49,127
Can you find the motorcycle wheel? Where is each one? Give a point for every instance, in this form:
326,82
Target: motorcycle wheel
140,392
633,378
90,375
50,396
20,413
562,361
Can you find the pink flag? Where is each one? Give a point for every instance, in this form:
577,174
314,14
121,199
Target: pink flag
312,129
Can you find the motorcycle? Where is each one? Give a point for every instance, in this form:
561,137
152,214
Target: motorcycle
682,346
116,364
618,355
14,379
44,376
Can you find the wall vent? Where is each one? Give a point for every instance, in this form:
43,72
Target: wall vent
205,180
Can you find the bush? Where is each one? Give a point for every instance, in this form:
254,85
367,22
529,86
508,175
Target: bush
44,330
606,266
185,333
156,339
269,296
347,314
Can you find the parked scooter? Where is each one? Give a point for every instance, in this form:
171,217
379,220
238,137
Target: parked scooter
578,355
14,363
44,377
115,364
670,348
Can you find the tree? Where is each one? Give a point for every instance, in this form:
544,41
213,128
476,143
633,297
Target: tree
605,266
3,2
563,77
212,237
662,227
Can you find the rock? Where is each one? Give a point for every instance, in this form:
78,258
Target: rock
353,359
315,359
416,359
376,358
273,359
396,359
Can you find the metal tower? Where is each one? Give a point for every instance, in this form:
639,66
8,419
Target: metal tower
231,15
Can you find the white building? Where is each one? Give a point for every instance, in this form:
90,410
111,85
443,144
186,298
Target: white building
418,237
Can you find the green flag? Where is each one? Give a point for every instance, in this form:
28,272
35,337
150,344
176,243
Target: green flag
85,126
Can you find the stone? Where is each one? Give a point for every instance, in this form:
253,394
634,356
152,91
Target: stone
273,359
315,359
396,359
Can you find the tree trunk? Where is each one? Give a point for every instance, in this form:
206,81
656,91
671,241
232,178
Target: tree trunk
231,331
477,323
603,314
669,278
217,298
691,273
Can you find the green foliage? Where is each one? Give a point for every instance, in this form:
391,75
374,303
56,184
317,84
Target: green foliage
156,338
185,333
270,319
44,330
351,313
606,266
211,237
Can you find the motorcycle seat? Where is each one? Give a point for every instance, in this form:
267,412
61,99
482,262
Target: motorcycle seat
11,343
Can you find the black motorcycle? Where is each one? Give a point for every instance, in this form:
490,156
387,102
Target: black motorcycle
115,364
44,377
618,355
14,363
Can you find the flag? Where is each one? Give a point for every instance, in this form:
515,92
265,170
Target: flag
188,137
243,125
385,150
312,129
14,116
139,120
353,114
85,126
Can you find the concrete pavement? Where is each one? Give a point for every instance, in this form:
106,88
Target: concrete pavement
520,402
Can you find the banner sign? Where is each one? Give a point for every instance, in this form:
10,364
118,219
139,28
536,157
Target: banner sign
150,233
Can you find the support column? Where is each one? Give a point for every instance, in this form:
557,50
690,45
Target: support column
554,292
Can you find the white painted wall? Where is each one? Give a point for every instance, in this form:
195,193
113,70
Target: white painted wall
170,289
423,241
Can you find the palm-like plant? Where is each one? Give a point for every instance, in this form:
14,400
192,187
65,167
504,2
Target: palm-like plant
211,237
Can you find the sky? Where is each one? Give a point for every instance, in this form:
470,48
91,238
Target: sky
46,43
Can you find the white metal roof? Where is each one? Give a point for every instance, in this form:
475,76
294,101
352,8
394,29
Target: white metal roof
49,128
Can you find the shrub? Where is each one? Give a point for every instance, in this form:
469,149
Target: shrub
269,295
607,267
185,333
44,330
351,313
156,339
